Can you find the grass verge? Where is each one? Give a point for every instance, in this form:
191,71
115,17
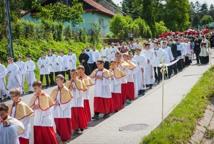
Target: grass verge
179,126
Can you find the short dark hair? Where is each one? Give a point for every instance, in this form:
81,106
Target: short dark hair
37,83
4,107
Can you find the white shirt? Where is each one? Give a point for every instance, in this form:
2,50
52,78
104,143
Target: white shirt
102,87
22,67
62,110
30,65
43,65
43,118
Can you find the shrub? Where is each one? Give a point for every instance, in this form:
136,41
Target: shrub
160,28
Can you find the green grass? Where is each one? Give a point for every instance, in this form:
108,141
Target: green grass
179,126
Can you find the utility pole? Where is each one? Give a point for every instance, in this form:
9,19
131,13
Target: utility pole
9,30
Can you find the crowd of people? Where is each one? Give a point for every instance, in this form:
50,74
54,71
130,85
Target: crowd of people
113,77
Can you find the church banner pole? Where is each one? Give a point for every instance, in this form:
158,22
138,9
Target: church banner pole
163,69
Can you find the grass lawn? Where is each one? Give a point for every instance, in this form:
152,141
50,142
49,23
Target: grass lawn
179,126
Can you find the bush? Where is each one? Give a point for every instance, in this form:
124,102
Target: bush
206,19
124,27
160,28
144,29
36,48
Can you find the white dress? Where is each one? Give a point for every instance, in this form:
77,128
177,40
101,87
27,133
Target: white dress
43,65
148,68
3,73
43,118
14,80
102,87
62,110
30,74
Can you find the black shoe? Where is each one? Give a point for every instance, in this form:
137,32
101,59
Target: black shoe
95,117
106,116
30,92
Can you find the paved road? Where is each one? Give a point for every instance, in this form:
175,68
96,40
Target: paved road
145,112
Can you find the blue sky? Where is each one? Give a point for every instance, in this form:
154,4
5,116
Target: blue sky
201,1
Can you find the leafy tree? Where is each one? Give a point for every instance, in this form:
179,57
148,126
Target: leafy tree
204,9
177,15
160,28
144,29
211,10
61,12
134,8
149,14
206,19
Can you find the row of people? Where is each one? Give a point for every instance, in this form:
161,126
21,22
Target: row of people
68,107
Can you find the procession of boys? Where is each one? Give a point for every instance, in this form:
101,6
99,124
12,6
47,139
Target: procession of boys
114,77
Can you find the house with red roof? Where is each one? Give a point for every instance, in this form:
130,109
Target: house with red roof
96,13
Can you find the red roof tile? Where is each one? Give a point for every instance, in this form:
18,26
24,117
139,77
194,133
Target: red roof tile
99,7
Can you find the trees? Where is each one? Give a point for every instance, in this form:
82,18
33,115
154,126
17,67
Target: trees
206,19
177,14
61,12
134,8
149,14
160,28
201,14
124,27
119,26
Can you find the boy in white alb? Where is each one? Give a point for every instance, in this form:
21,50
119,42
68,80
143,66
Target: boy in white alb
78,118
117,75
22,112
102,93
43,124
30,75
10,128
62,109
3,73
87,81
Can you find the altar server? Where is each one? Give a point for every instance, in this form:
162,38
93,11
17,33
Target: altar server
3,73
44,69
102,93
30,75
22,71
10,128
117,75
79,119
43,123
62,109
148,71
141,61
21,111
87,81
14,80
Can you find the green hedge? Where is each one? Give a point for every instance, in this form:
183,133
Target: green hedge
36,48
179,126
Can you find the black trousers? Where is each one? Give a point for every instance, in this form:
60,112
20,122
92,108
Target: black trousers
106,65
69,74
51,76
197,58
169,71
158,74
174,68
180,64
91,67
46,78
